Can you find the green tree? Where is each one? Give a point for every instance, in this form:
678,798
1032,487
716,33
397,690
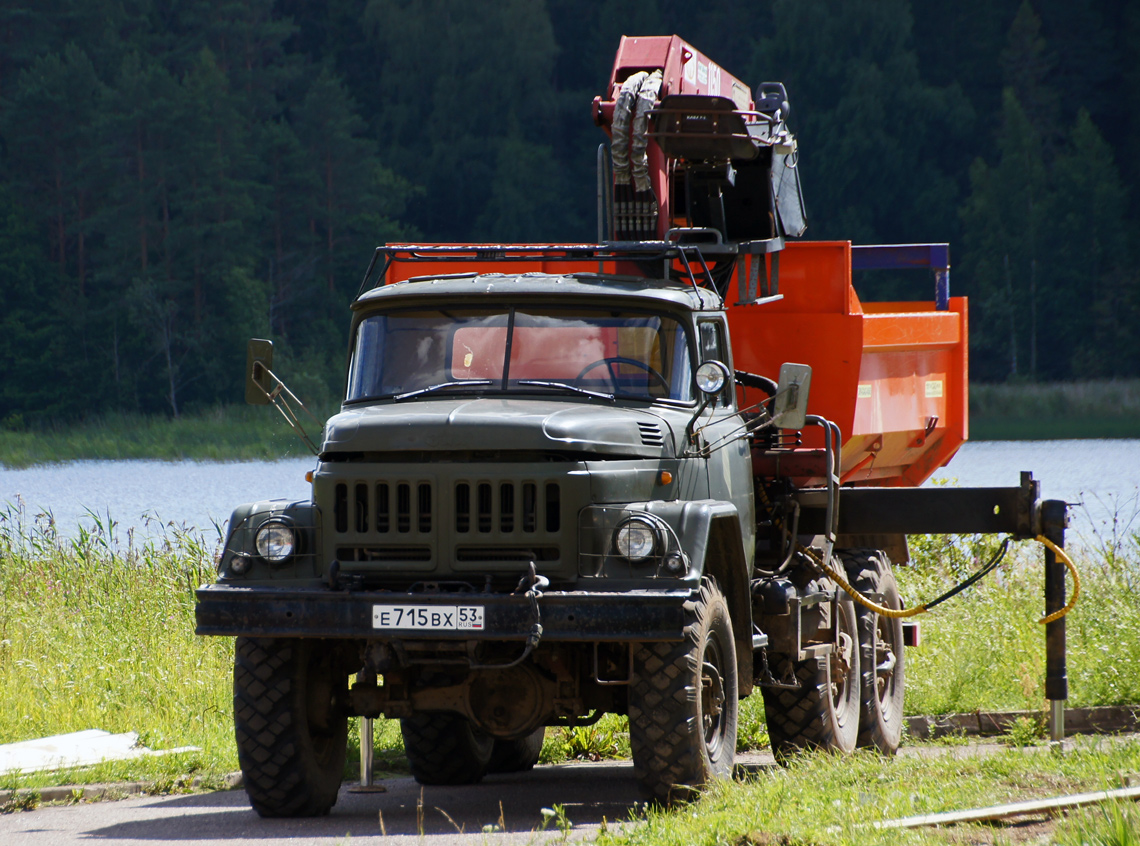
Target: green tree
289,258
47,127
874,136
459,81
1027,63
36,336
1097,288
1003,220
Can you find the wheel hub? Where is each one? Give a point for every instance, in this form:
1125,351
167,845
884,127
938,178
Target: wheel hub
712,698
841,664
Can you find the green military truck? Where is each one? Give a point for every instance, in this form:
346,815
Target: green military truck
572,480
536,508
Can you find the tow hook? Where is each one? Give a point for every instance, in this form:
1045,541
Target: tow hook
535,585
531,585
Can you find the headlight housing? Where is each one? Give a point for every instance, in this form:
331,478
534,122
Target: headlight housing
275,541
712,376
636,539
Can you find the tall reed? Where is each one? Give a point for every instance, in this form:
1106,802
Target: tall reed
97,631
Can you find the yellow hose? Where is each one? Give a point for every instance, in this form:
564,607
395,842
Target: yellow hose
892,613
1060,553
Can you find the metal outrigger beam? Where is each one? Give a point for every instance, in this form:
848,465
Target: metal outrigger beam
1017,511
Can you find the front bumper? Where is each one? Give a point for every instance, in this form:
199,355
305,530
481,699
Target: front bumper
581,616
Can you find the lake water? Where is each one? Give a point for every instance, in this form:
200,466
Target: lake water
146,495
1101,475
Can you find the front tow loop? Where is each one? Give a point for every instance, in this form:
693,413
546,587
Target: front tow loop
531,585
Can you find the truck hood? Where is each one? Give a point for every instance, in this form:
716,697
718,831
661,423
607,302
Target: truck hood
501,424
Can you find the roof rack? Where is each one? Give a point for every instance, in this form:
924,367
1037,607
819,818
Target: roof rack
639,251
690,247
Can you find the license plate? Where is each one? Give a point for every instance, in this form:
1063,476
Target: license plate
428,617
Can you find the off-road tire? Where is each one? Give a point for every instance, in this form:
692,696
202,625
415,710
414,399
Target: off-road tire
683,703
816,714
881,652
518,755
445,748
290,725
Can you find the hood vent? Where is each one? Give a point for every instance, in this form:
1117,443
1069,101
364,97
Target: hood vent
651,434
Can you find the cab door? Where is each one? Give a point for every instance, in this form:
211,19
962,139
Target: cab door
729,464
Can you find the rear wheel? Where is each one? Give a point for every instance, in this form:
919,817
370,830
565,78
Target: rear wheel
290,725
445,748
683,703
881,651
823,711
518,755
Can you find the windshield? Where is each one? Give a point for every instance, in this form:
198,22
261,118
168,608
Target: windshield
524,349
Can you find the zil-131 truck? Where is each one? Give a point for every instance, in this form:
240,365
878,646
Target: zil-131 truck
646,476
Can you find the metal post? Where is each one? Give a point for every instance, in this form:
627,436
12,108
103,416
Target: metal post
367,785
942,289
1054,517
601,195
365,751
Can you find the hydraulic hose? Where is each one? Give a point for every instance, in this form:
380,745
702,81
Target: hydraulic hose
893,613
623,115
1060,553
858,597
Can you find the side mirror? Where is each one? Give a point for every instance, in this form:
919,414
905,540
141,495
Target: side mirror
790,407
258,363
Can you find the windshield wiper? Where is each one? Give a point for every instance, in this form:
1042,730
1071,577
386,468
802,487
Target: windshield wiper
430,388
565,386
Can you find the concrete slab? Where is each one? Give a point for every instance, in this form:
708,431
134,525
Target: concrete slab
77,749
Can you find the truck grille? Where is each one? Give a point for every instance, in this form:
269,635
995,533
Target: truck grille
389,520
503,507
387,554
480,507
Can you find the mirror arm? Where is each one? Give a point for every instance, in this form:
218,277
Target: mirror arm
284,401
691,430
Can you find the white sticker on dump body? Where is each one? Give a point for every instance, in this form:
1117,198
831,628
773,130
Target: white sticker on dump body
428,617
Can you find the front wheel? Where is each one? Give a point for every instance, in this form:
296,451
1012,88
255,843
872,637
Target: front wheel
518,755
290,725
822,711
683,703
445,748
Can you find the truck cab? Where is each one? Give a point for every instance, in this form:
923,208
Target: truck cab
536,483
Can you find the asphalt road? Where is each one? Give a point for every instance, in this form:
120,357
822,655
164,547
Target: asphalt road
431,816
591,794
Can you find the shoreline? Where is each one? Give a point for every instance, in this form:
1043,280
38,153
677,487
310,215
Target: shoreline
998,412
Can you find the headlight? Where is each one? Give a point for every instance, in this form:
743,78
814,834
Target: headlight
635,539
275,541
711,377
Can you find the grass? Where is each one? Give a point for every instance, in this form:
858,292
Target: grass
984,648
1057,410
229,433
822,799
1113,824
96,631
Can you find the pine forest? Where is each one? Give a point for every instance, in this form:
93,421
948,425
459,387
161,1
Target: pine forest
177,176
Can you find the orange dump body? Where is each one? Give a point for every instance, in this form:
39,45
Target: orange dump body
893,376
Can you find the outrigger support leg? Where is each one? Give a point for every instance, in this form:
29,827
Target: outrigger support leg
1054,517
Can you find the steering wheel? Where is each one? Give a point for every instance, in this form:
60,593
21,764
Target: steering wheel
610,363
